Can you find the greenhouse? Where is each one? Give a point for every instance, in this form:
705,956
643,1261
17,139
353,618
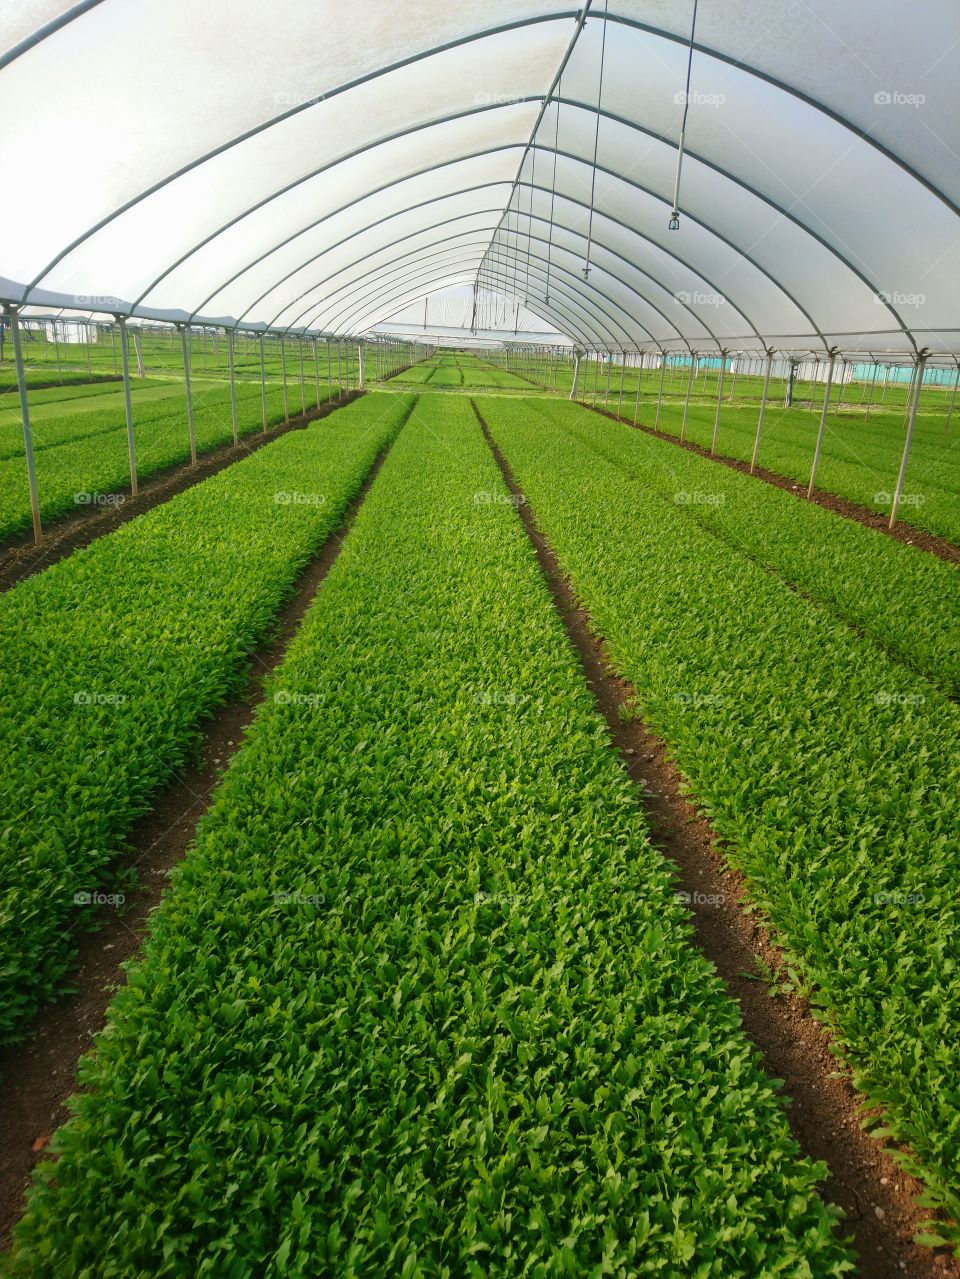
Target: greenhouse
479,545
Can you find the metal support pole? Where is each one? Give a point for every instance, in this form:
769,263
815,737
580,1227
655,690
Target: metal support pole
233,389
329,375
283,376
56,349
663,374
339,387
360,377
606,393
898,494
953,400
636,407
138,348
185,342
303,388
763,409
263,388
25,418
873,387
823,423
128,404
576,375
686,402
623,374
716,420
316,370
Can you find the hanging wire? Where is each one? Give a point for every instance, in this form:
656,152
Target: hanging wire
553,186
674,223
596,143
533,183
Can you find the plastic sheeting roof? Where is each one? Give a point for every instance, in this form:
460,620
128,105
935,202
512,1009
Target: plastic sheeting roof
317,166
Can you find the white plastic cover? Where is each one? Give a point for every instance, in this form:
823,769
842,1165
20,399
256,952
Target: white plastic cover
318,166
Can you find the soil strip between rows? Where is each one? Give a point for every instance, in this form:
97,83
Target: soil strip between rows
38,1075
824,1110
20,558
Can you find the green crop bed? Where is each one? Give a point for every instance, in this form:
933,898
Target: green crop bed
81,456
112,657
906,601
832,771
422,1002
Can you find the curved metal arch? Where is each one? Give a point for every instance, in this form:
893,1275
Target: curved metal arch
587,321
598,325
430,226
410,295
433,199
794,92
572,231
48,29
779,209
626,122
574,291
694,271
590,343
410,60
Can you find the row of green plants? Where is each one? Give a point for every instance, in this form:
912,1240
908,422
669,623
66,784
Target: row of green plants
421,1001
111,658
82,457
905,600
830,769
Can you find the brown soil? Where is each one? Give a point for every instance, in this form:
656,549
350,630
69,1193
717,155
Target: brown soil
939,546
37,1076
63,536
824,1110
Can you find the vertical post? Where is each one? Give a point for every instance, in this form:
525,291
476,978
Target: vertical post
329,375
283,376
898,494
596,375
263,388
113,346
303,389
576,375
636,407
360,377
663,374
763,409
139,352
686,402
339,387
716,420
316,370
233,389
623,374
127,404
56,348
185,342
873,387
606,393
25,418
87,327
953,400
823,423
